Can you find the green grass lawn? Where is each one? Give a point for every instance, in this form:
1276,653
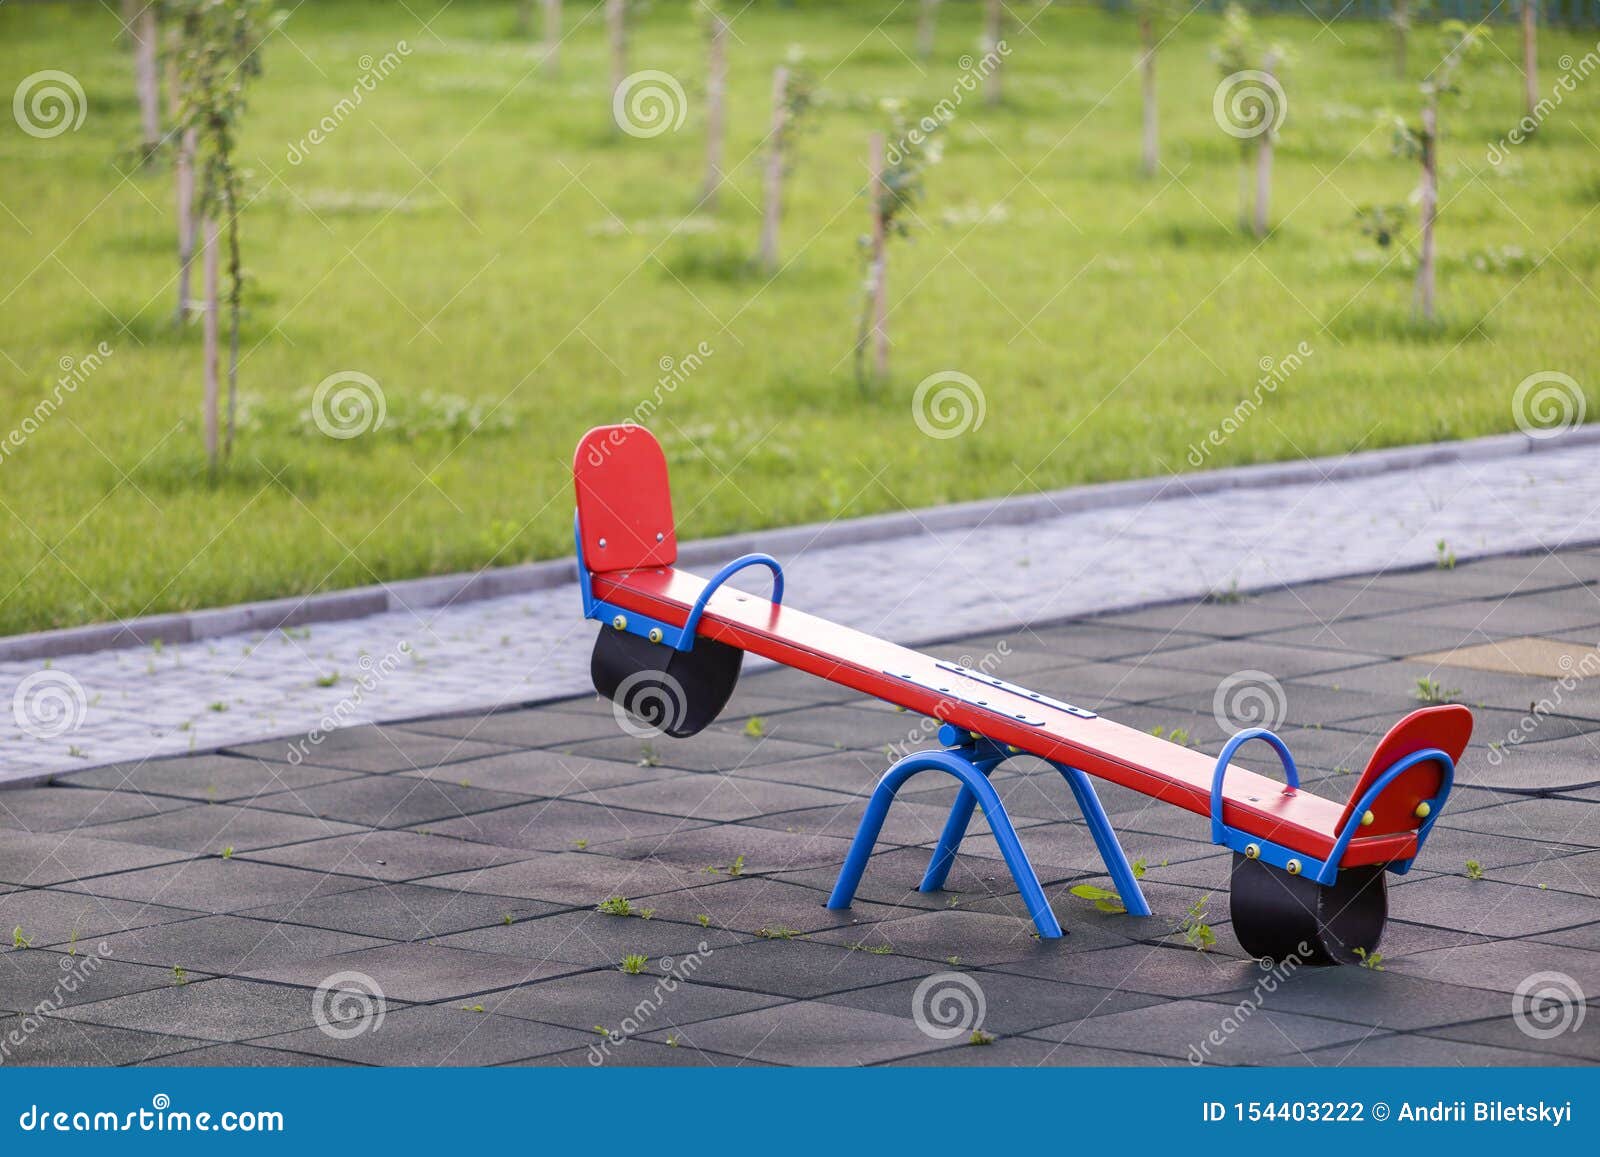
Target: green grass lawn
477,229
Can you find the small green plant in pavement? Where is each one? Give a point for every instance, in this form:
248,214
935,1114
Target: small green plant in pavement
18,940
979,1037
1443,557
1433,692
1474,870
622,906
633,963
1102,898
703,920
777,932
1196,931
180,974
755,727
1372,960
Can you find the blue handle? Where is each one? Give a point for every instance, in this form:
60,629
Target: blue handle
692,623
1290,772
1353,824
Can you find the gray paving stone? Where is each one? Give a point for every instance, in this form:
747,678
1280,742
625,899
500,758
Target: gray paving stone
593,939
966,937
1022,1052
627,1005
211,778
1419,1049
417,973
829,727
387,801
48,1041
371,749
1553,820
636,1053
1501,966
1580,1043
435,1035
210,829
388,855
213,885
1488,905
748,903
400,911
802,969
544,773
216,1010
807,1033
238,1057
558,825
1385,1001
575,880
1219,1034
229,944
543,726
721,845
1170,972
37,859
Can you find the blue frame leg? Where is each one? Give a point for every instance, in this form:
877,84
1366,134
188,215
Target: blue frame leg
1105,838
944,854
975,783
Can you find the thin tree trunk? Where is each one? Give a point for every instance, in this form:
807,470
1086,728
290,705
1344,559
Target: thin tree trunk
772,209
716,92
927,23
552,35
1150,159
617,33
1430,204
145,75
880,265
524,17
994,16
1530,55
235,306
209,355
1402,29
1244,187
130,13
186,230
1264,158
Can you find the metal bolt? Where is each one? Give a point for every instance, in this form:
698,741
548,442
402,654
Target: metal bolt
1424,810
1292,867
660,537
620,622
655,634
1252,851
602,544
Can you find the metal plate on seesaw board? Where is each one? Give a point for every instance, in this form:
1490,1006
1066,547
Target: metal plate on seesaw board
956,689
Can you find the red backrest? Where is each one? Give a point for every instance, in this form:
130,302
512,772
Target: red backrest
624,500
1447,728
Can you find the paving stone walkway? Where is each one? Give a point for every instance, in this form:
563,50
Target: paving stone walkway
426,893
122,705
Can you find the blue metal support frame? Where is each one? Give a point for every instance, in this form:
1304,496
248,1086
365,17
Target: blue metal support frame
971,760
1326,871
658,630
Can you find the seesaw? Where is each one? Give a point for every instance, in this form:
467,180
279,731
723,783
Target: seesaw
1309,874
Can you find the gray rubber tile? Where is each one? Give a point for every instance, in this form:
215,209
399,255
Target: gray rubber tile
390,801
1551,765
1554,820
634,1052
37,859
1279,660
1557,1033
575,880
626,1005
1504,965
31,978
832,727
230,944
798,968
708,751
954,937
371,749
806,1033
49,1041
1488,906
746,903
1169,972
420,973
1416,1049
544,726
400,911
53,917
214,885
559,826
1214,1033
1023,1052
1222,620
216,1010
948,998
545,774
715,797
239,1057
387,855
1385,1001
435,1035
718,847
593,939
210,829
208,778
54,809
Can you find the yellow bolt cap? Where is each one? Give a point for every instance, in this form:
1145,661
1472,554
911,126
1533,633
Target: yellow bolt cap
1292,867
1366,820
1424,810
620,622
